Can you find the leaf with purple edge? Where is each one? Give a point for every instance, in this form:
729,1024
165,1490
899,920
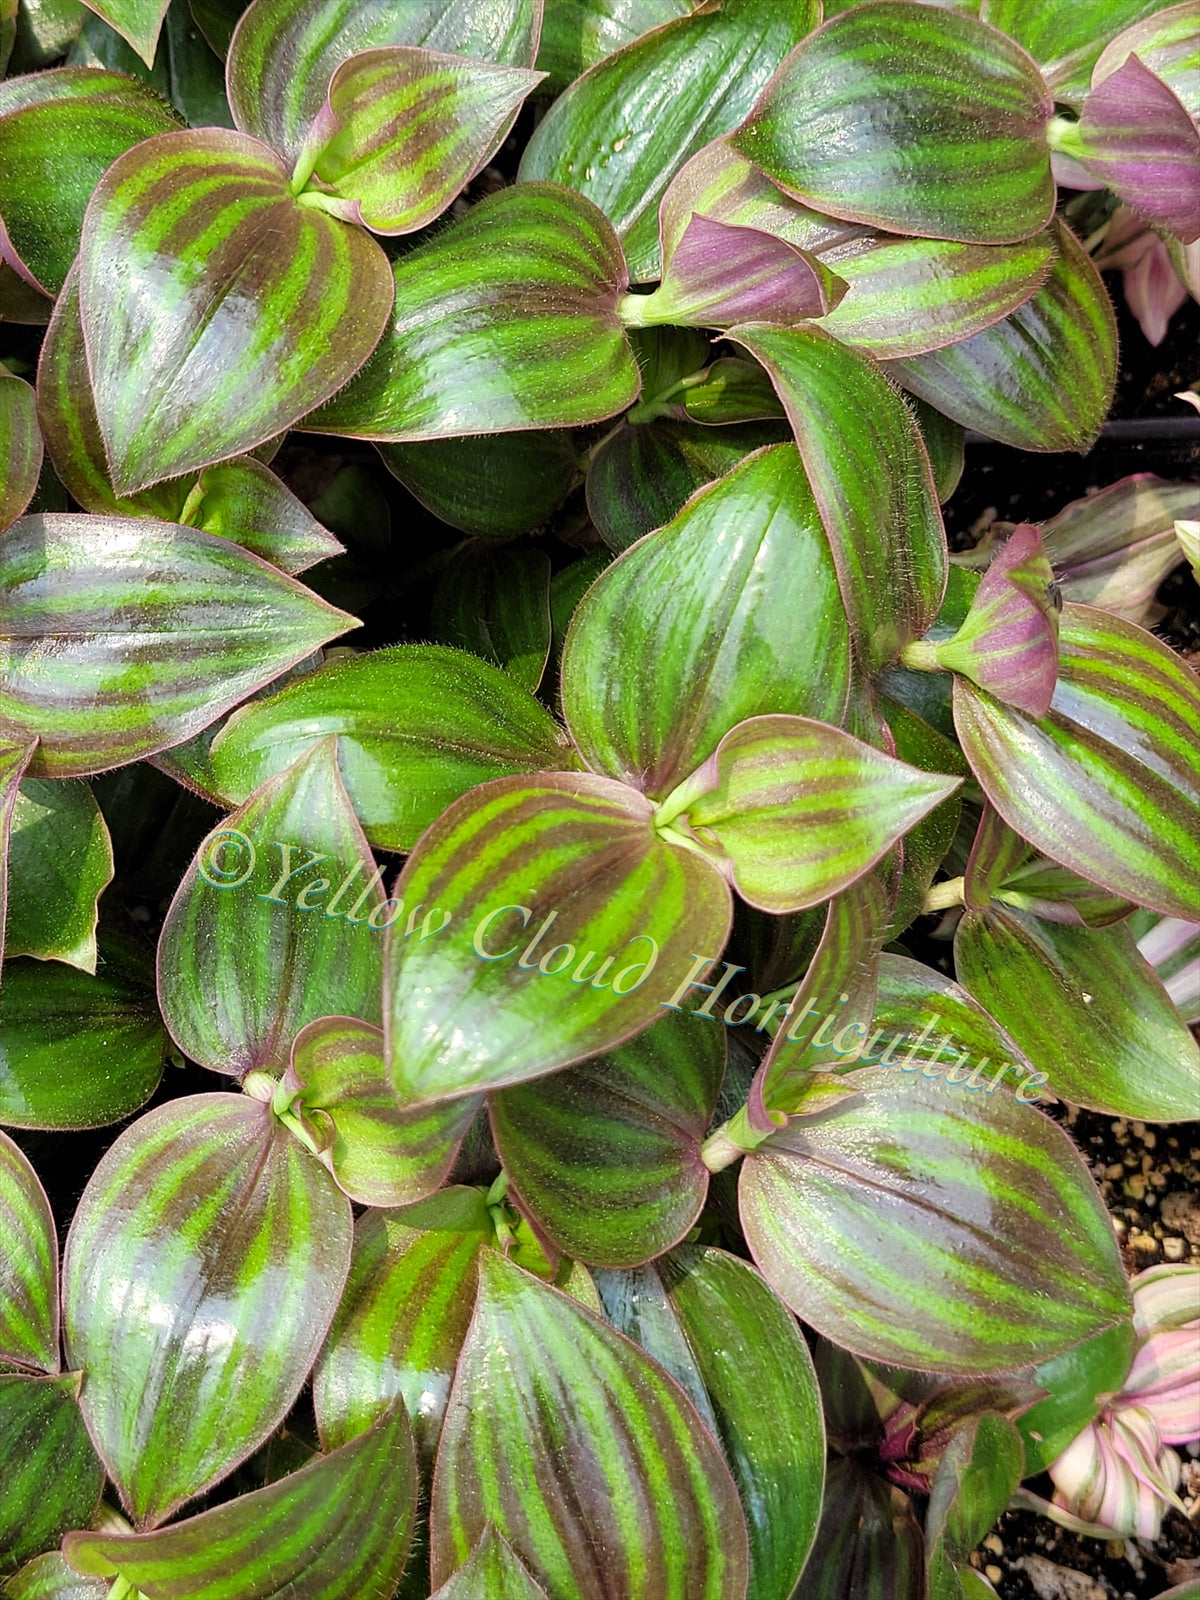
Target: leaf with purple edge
137,21
793,811
120,638
560,901
611,1487
336,1529
606,1156
210,1215
1168,43
28,1265
249,953
402,132
20,447
52,1477
492,1572
216,309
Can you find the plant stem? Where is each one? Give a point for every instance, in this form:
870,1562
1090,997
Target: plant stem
941,896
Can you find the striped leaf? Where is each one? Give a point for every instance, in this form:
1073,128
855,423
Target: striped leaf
402,132
491,1572
216,309
120,638
1041,379
696,628
284,54
1108,783
60,861
20,444
28,1265
379,1154
975,1480
870,475
403,1317
929,1230
52,1478
78,1051
15,756
416,725
908,296
606,1156
202,1270
48,1577
19,300
1066,37
793,811
608,1486
1168,43
564,902
961,152
1087,1009
711,1321
621,132
243,501
505,320
496,604
338,1529
137,21
926,845
578,33
254,945
59,132
494,486
865,1549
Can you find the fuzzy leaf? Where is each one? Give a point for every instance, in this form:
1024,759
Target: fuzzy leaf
492,1572
1168,43
216,309
976,1477
1065,37
938,122
503,321
243,501
1137,137
596,1504
60,861
416,725
545,879
696,628
52,1478
119,638
20,444
202,1270
496,604
28,1265
137,21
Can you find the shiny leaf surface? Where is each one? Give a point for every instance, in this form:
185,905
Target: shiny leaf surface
28,1265
59,863
492,1572
137,21
492,485
20,445
1065,37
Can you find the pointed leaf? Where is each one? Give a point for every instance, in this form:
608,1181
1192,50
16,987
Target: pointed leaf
338,1529
870,474
379,1154
403,131
417,726
1043,378
609,1489
60,862
202,1270
28,1265
988,1205
497,604
216,309
243,501
961,151
403,1317
119,638
1065,37
1168,43
1086,1008
625,128
284,54
564,901
696,628
1108,783
52,1478
492,1572
863,1546
252,948
137,21
59,132
1137,137
606,1156
975,1480
20,444
492,485
504,320
794,811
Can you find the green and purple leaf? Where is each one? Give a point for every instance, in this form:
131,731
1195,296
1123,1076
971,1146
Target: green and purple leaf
60,862
611,1487
402,132
216,309
492,485
20,445
1168,43
416,725
492,1572
28,1265
937,120
276,923
557,900
243,501
1138,138
504,321
621,132
1066,37
696,628
606,1156
52,1478
15,756
976,1477
336,1529
284,54
201,1273
1108,783
120,638
576,34
496,604
137,21
987,1207
793,811
864,1546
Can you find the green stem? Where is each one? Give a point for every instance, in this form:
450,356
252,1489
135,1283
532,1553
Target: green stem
921,656
731,1142
1063,135
191,505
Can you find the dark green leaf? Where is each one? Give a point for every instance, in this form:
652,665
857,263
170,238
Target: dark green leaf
865,1549
925,846
496,604
1072,1388
201,1273
59,863
975,1480
20,443
492,485
52,1479
14,759
49,1577
28,1265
